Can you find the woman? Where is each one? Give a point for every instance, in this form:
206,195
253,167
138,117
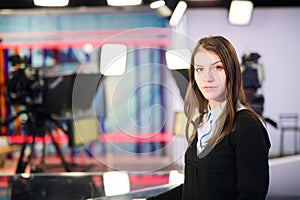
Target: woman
227,157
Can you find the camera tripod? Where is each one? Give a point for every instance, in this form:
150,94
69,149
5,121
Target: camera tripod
36,125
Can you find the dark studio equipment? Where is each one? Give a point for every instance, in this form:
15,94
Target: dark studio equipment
64,87
60,100
251,81
69,102
181,77
252,76
54,187
26,90
74,94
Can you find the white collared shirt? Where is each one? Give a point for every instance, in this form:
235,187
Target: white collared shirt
204,132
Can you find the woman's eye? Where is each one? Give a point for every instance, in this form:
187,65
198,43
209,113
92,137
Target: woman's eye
218,67
198,69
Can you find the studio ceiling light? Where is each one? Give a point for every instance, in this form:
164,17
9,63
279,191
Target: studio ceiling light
51,3
178,13
124,2
240,12
157,3
160,7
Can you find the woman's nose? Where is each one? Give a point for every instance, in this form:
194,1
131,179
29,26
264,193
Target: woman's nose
207,76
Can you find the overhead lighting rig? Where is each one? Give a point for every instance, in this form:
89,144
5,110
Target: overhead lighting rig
240,12
51,3
172,9
124,2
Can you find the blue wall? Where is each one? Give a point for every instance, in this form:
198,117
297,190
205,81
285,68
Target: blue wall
78,22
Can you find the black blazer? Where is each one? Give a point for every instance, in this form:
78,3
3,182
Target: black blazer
237,168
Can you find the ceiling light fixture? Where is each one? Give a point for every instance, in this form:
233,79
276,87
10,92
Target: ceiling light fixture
51,3
161,9
157,3
124,2
240,12
172,9
178,13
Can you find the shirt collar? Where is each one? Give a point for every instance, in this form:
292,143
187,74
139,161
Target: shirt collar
216,111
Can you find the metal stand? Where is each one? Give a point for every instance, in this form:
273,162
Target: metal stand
288,122
35,126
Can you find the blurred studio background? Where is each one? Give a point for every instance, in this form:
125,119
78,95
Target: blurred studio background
92,91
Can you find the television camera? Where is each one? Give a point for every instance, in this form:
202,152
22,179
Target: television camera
25,87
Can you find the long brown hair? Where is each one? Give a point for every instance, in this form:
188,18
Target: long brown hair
195,101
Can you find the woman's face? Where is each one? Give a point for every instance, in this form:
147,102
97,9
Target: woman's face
210,77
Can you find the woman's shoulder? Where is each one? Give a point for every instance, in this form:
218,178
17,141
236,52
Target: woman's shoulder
249,127
249,131
246,115
247,123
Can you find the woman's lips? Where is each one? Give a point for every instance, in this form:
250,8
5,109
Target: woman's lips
209,87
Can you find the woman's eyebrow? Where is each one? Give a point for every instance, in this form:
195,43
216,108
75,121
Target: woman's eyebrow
198,65
216,62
